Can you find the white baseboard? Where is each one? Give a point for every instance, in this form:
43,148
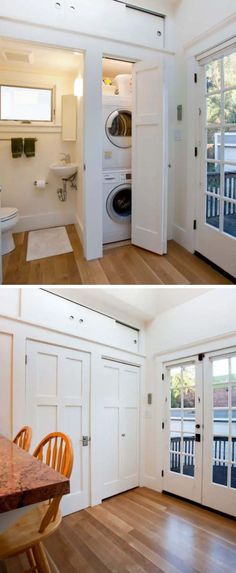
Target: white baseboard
80,229
180,236
43,221
152,483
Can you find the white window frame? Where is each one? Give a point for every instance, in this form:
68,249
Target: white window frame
28,123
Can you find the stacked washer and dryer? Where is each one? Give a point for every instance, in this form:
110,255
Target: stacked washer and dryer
117,174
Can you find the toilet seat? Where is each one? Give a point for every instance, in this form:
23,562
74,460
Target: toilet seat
8,213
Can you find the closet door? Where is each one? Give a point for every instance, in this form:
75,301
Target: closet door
120,427
57,398
149,161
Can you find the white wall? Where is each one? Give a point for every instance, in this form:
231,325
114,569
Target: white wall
208,316
79,151
37,208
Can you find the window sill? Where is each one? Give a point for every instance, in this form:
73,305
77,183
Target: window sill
26,128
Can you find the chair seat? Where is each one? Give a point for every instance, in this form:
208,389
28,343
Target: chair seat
24,533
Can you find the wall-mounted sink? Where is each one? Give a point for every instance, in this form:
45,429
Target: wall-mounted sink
64,170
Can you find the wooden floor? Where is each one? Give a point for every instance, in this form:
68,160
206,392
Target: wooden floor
142,531
123,265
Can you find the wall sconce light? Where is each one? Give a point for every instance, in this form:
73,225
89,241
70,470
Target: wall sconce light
79,87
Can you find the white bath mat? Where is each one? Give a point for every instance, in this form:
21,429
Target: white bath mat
48,243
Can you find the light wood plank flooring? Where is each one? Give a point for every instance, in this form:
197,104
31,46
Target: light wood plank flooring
123,265
142,531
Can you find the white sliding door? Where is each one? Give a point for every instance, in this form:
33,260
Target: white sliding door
148,160
57,395
120,427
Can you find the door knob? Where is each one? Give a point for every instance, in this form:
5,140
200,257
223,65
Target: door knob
198,426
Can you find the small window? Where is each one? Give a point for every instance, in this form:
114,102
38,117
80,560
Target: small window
26,104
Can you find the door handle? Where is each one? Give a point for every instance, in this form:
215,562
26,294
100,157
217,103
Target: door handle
198,426
85,440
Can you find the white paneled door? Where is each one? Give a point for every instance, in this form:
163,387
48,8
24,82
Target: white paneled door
149,179
57,395
200,430
120,427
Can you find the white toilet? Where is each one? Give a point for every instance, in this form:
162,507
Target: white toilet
9,218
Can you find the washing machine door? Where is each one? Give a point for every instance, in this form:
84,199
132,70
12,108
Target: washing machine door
119,128
119,204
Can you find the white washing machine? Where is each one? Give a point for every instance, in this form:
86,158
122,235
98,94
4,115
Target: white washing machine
117,132
117,204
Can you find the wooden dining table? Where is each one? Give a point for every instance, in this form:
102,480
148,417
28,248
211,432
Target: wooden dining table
24,481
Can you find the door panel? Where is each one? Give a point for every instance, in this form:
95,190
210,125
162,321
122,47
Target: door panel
57,391
148,159
216,204
219,485
182,467
121,427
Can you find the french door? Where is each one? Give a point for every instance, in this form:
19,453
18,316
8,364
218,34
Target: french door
57,392
216,206
120,421
200,430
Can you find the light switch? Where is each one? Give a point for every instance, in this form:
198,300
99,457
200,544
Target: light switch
178,135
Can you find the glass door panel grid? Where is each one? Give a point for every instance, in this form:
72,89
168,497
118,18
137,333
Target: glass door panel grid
224,421
220,144
182,418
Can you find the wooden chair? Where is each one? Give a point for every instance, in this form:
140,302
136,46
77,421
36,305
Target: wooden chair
23,438
27,534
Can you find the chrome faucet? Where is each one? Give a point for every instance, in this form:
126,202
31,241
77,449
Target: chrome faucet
66,157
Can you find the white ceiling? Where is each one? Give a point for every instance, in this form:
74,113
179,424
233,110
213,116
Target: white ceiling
131,304
42,58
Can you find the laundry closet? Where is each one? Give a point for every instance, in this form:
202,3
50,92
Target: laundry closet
69,368
117,150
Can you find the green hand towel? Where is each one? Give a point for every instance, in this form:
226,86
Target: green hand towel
17,147
29,147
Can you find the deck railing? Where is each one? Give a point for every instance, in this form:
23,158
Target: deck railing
213,186
220,451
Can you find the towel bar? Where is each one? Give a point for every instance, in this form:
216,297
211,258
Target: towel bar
10,138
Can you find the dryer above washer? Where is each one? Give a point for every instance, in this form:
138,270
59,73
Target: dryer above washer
117,142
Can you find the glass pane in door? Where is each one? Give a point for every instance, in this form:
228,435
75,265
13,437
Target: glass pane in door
182,418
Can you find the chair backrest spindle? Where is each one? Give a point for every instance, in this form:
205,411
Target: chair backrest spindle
23,438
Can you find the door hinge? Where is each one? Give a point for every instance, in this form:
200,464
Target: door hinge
162,473
163,376
26,359
195,78
195,224
200,357
162,426
195,151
